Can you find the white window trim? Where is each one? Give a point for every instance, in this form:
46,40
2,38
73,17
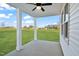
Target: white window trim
65,21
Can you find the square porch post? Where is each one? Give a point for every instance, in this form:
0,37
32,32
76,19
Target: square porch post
19,30
35,29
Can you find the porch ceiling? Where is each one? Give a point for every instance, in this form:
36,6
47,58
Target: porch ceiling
54,9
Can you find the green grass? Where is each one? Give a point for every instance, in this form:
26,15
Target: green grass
50,35
8,38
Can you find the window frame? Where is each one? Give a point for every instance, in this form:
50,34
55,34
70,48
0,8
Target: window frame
66,20
62,23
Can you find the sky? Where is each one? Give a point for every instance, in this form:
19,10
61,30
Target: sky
8,18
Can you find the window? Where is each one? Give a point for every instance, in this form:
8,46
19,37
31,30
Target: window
65,23
66,29
66,20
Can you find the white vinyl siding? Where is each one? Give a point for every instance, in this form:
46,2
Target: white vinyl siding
73,47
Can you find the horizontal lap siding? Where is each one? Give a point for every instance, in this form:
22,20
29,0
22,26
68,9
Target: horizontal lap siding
73,47
74,29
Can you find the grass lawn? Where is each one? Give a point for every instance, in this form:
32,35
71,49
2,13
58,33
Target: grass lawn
50,35
8,38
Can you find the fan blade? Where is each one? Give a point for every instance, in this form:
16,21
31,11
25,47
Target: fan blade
45,4
34,9
32,3
38,4
42,9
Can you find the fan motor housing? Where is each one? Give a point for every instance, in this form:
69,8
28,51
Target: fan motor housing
38,4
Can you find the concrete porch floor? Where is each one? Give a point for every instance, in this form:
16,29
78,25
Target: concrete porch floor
39,48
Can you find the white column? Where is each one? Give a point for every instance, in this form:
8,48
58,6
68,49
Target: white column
35,29
19,30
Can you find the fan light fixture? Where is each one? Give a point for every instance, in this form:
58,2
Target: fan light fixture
38,7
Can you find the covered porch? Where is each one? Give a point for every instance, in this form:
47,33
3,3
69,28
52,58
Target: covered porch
35,47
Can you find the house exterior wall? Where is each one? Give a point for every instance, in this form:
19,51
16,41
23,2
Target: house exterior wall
70,45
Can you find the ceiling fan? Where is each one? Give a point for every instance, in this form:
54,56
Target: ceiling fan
39,6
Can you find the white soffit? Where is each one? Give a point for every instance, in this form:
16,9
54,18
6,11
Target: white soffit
52,10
